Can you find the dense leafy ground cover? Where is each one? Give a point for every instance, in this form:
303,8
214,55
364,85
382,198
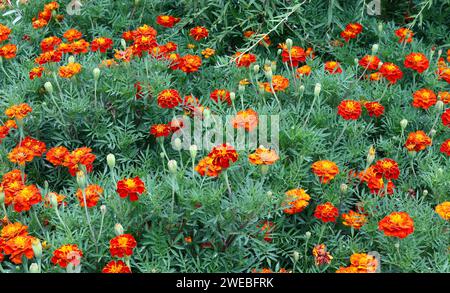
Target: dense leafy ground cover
91,180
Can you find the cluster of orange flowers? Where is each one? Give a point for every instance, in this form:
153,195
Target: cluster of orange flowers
360,263
218,160
26,151
7,51
61,156
45,15
16,243
379,176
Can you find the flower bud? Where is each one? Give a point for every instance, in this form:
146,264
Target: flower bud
279,52
264,169
425,192
71,59
273,66
269,74
241,88
34,268
308,235
356,61
172,165
118,229
289,44
317,89
439,105
206,113
123,43
177,144
440,171
37,248
296,255
269,193
256,68
232,96
2,197
103,209
371,155
432,51
53,200
404,123
432,132
380,27
439,54
375,48
193,150
344,188
48,87
301,90
397,245
162,155
81,179
111,161
96,73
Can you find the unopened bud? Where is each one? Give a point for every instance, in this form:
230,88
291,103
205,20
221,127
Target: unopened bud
439,54
53,200
256,68
344,188
269,193
356,61
48,87
241,88
103,209
279,52
118,229
317,89
177,144
425,192
296,255
37,248
81,179
375,48
193,150
162,155
34,268
308,235
269,74
289,44
403,124
172,165
380,27
301,90
439,105
71,59
273,66
264,169
397,245
123,43
207,113
371,155
432,132
111,161
2,197
232,96
96,73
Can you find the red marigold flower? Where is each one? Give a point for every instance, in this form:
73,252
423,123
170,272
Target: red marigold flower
49,56
57,155
50,43
122,245
279,83
424,98
221,95
18,111
374,109
11,184
25,198
263,156
205,167
333,67
102,44
116,267
445,117
36,72
325,170
190,63
38,23
350,110
19,247
404,35
356,28
72,34
66,254
326,212
167,20
321,256
360,263
386,168
354,219
247,119
222,155
208,52
244,60
444,97
266,228
130,187
80,46
92,193
297,55
347,35
417,141
160,130
169,98
397,224
369,62
79,156
8,51
4,131
4,32
37,147
296,200
198,33
417,62
391,72
21,155
445,147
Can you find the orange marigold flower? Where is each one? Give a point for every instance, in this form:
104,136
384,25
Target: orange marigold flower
417,62
397,224
66,254
321,256
116,267
36,72
51,6
424,98
386,168
72,34
391,72
11,184
79,156
375,76
57,155
102,44
11,124
13,230
198,33
50,56
244,60
70,70
444,97
296,201
18,111
325,170
374,109
19,247
220,95
404,35
369,62
357,28
50,43
92,193
333,67
205,167
190,63
80,46
350,110
122,245
326,212
354,219
263,156
8,51
160,130
295,55
208,52
347,35
445,117
25,198
37,147
39,23
347,270
130,187
4,32
167,20
247,119
20,155
417,141
303,70
360,263
445,147
169,98
223,154
443,210
279,83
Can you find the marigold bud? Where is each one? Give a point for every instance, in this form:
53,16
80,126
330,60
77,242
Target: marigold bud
206,113
371,155
273,66
96,73
356,61
264,169
317,89
123,43
425,192
71,59
103,209
193,150
439,105
404,123
177,144
439,54
111,161
162,155
397,245
432,132
37,248
296,255
289,44
269,74
308,235
48,87
256,68
2,197
241,88
301,90
375,48
34,268
269,193
344,188
172,165
380,27
232,96
81,179
279,52
118,229
53,200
